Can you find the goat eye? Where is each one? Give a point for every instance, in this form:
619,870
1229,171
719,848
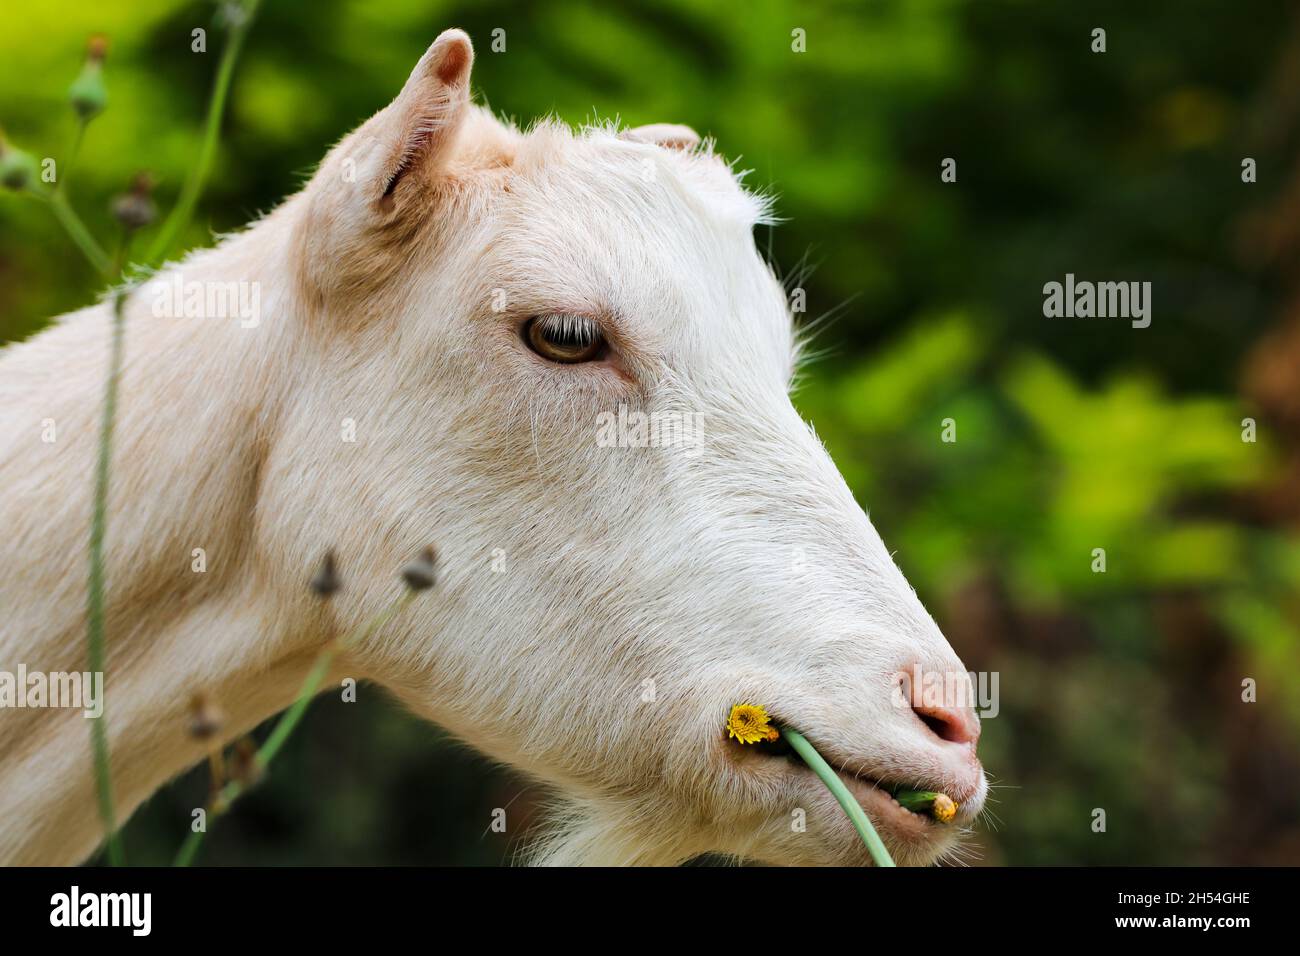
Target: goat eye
560,337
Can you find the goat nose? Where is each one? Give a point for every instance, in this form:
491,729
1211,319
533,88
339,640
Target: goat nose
958,725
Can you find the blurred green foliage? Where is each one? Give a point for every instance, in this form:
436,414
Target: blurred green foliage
1120,690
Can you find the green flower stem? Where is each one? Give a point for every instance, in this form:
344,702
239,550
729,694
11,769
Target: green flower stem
180,215
861,822
77,140
77,230
95,585
287,723
190,848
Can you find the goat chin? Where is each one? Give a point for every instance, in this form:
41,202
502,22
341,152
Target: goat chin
582,833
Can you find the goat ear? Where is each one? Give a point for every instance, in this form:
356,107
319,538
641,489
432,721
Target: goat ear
418,129
668,135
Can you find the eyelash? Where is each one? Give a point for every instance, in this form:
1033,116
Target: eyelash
572,329
564,338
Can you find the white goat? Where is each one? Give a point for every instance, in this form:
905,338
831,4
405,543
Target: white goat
477,304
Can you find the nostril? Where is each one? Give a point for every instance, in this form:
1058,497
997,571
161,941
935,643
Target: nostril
948,723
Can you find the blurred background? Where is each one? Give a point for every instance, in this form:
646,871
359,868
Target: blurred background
1121,690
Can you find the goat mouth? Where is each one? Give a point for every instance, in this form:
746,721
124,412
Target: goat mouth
871,791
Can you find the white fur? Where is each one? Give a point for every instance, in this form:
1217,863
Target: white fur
743,572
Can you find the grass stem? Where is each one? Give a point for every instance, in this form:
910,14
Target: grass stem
861,822
76,230
287,723
77,138
95,585
192,189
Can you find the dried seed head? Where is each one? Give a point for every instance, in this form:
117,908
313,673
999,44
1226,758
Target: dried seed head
135,209
243,766
232,13
88,95
206,718
326,580
97,48
422,573
18,169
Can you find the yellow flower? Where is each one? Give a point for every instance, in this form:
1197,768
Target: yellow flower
945,808
749,724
